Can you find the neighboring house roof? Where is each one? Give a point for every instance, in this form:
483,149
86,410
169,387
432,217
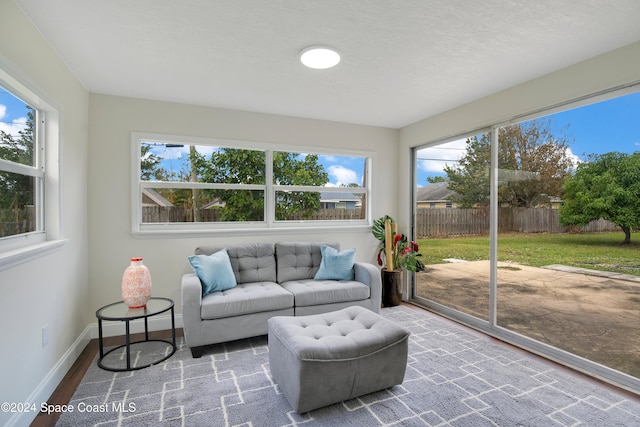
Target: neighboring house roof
215,203
440,192
437,192
152,198
330,196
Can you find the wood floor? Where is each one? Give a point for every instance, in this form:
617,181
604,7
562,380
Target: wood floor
63,393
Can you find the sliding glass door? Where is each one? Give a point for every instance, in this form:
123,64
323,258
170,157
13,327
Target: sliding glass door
457,250
529,232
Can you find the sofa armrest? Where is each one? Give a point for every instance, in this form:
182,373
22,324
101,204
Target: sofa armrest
370,275
191,308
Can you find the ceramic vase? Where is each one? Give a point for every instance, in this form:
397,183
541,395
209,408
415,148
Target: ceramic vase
391,287
136,284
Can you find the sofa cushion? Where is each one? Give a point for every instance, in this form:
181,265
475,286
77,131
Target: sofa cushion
214,271
299,260
253,262
308,292
246,298
336,265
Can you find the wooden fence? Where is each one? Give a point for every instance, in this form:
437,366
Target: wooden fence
17,221
473,222
429,222
157,214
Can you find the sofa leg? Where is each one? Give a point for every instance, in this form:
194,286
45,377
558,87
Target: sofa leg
196,352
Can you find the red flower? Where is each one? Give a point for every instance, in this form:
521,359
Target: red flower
380,258
414,245
397,239
405,251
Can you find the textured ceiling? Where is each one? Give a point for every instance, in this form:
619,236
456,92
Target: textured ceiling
402,60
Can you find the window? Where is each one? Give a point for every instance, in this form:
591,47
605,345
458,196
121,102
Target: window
185,184
21,177
25,174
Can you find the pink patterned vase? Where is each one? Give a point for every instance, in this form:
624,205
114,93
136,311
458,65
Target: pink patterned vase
136,284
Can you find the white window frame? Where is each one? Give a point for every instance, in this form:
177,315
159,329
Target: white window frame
47,237
269,224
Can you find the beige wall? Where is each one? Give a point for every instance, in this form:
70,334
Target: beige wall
53,289
112,120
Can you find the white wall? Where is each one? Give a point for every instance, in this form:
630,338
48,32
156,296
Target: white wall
51,290
112,119
615,68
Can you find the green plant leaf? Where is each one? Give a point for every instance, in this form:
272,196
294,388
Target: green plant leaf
378,227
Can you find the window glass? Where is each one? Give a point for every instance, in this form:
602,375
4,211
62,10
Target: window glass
214,183
20,177
568,186
173,162
552,263
176,205
452,224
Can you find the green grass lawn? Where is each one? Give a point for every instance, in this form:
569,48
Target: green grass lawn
596,251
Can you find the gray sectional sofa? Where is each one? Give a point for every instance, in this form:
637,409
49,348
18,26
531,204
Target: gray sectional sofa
272,280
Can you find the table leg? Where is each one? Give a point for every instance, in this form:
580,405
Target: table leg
128,344
173,328
100,338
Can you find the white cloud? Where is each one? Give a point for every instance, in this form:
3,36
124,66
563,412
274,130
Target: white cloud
341,175
328,158
575,160
15,126
434,159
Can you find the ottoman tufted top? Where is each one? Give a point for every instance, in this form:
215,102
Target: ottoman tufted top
344,334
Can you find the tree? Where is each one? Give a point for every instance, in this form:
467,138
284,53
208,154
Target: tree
532,162
150,164
436,179
240,166
289,169
16,190
607,186
470,179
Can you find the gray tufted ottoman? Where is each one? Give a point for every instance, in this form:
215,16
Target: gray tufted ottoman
327,358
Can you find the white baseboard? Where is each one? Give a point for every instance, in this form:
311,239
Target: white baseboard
51,381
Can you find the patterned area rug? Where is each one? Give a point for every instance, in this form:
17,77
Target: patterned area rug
454,377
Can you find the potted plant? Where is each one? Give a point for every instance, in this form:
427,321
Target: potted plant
396,254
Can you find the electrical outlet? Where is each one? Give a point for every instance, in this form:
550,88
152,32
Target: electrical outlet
45,335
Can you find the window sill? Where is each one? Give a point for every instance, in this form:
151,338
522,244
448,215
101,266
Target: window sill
18,256
246,231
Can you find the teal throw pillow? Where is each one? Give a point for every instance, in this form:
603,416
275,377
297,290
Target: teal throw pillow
336,265
214,271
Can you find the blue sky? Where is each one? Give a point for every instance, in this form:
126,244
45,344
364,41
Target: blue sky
13,113
342,170
612,125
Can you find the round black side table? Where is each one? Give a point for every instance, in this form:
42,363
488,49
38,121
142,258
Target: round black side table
119,311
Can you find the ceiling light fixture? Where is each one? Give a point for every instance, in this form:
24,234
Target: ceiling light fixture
319,57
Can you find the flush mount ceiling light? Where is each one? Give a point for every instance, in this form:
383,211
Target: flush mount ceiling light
319,57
